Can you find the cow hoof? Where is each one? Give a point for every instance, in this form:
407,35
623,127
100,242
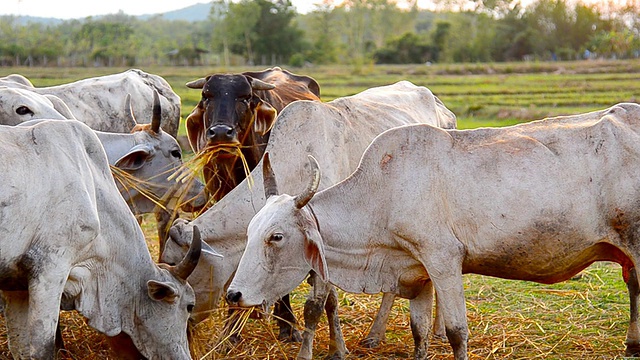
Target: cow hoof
370,343
290,335
335,356
441,337
632,350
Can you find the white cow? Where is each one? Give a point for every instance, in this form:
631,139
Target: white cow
149,157
538,201
16,78
20,105
100,101
68,239
337,134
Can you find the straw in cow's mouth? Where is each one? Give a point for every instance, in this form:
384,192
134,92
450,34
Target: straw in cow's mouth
202,158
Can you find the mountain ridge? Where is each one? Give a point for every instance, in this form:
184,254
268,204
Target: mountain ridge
192,13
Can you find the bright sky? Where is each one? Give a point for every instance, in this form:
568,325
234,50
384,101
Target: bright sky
72,9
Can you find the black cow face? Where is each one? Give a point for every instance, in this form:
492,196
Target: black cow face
228,112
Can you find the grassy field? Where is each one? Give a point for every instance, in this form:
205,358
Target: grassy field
585,317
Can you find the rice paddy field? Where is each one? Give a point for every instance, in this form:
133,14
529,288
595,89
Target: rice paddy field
583,318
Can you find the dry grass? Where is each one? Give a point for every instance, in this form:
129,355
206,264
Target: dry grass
197,163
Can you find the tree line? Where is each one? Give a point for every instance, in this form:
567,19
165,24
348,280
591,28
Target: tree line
357,32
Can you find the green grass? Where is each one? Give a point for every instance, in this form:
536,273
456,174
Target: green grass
479,94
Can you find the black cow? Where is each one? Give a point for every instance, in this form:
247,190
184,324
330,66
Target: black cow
236,113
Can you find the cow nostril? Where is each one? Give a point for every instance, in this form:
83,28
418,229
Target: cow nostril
233,297
221,133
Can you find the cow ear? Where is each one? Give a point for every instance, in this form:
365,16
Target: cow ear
60,106
314,252
265,118
134,159
194,126
161,291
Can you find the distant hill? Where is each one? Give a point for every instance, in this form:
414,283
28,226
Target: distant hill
197,12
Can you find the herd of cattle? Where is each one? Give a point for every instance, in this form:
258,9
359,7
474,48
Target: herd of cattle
387,197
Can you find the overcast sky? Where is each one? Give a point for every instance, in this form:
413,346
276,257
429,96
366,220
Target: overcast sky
72,9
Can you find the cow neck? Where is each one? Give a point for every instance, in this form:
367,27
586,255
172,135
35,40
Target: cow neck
224,225
347,228
121,249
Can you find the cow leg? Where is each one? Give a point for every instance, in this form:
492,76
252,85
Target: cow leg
420,309
313,308
633,332
322,296
16,313
44,313
446,276
286,320
337,347
164,219
378,328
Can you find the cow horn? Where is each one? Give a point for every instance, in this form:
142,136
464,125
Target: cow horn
197,84
303,198
270,185
188,264
128,110
259,84
157,113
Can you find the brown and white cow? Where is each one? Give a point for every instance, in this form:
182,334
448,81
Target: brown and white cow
68,240
236,114
237,111
337,133
539,201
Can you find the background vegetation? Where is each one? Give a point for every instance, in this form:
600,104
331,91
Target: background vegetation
357,32
583,318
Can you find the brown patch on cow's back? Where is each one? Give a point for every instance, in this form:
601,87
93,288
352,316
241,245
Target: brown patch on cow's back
385,160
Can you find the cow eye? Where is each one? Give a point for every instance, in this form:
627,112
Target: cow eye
277,237
176,154
190,308
23,110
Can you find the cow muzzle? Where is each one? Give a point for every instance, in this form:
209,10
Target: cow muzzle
233,297
222,134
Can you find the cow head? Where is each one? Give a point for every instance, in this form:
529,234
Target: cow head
20,105
168,300
229,112
284,244
152,159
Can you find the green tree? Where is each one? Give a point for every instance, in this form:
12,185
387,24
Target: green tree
408,48
323,32
439,36
278,37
